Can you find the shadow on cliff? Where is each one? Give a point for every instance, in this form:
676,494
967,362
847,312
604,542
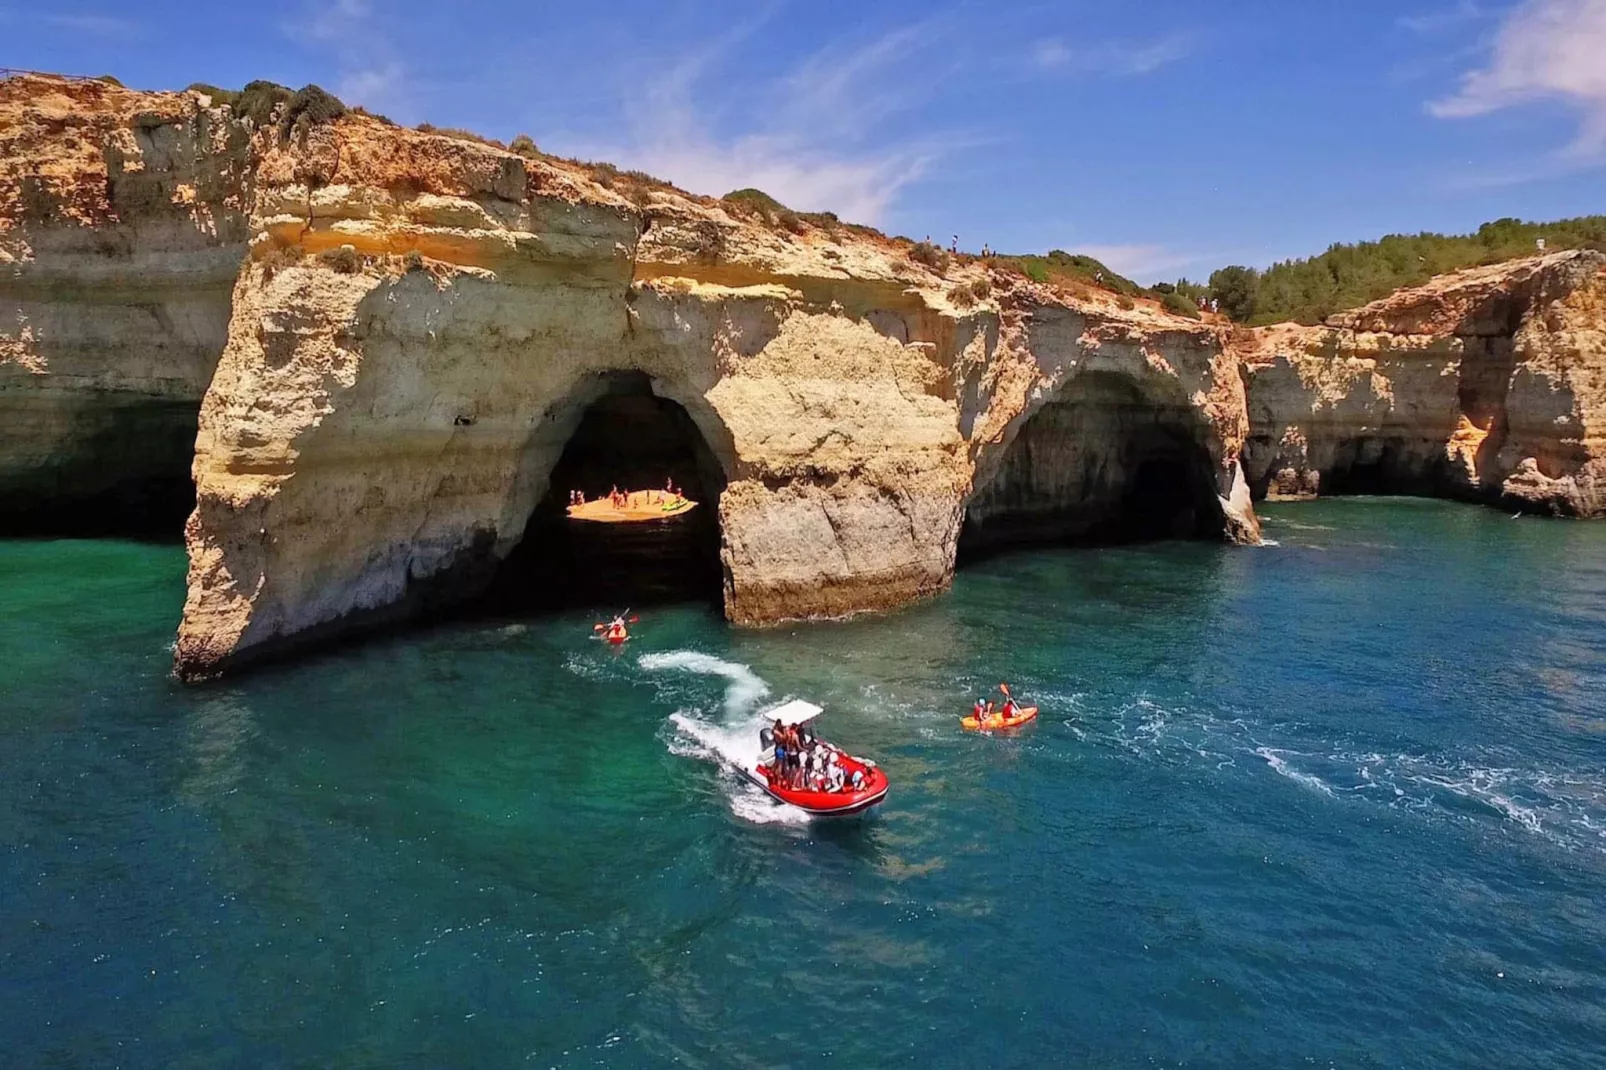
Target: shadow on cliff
629,438
1103,463
125,473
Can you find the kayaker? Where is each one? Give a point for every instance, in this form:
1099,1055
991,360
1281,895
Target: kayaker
980,712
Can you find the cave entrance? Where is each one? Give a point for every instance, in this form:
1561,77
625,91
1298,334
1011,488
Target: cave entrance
1378,465
122,472
1101,463
631,438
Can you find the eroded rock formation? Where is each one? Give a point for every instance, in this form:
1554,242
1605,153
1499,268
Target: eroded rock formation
1485,385
122,230
402,336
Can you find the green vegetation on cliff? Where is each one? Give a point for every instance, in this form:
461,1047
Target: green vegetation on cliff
1348,276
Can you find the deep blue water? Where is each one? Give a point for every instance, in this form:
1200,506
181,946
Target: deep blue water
1339,801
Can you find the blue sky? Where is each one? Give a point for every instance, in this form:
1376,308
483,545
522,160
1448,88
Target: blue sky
1168,137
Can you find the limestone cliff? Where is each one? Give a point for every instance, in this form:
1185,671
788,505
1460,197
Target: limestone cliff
122,230
401,337
1486,385
424,321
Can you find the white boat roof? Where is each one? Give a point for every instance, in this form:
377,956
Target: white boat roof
794,713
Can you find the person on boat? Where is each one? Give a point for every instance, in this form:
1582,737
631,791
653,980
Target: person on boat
858,780
1008,711
980,712
835,775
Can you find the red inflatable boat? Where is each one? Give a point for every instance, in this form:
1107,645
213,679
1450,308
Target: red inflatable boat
871,791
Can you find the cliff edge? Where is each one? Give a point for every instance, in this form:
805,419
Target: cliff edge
1484,385
396,352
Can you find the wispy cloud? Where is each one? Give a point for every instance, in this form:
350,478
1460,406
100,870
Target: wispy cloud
1144,262
1545,50
821,135
369,71
1443,20
96,25
1120,58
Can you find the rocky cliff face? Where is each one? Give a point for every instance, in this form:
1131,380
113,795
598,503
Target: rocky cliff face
1484,385
424,322
122,230
401,338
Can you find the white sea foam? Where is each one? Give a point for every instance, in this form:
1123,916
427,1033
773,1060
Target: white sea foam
732,740
1282,768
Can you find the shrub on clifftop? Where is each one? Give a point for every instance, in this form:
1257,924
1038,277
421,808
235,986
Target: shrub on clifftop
258,100
1175,302
930,255
312,106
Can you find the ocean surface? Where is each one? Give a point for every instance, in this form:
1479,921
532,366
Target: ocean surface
1337,801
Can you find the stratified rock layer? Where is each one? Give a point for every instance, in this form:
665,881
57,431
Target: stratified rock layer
122,231
424,320
397,335
1486,385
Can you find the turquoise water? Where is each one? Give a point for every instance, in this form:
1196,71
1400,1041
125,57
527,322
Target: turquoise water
1338,801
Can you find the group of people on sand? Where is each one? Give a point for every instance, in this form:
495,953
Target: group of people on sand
803,762
620,499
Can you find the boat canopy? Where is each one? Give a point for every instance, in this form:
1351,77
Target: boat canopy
795,712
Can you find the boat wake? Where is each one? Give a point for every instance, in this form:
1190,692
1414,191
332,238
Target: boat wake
1566,809
729,740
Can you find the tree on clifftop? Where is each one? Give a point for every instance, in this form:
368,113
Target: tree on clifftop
1236,287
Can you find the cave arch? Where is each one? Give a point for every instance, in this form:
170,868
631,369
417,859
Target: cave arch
1103,461
617,429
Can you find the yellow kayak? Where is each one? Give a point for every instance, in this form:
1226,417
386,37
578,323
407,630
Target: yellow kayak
998,721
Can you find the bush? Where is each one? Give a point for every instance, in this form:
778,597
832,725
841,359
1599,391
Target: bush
387,120
259,99
1237,288
219,96
344,260
824,220
928,254
1126,303
457,133
312,106
981,289
755,201
1035,270
1175,302
524,145
110,80
961,296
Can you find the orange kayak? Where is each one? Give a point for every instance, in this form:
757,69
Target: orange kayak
997,721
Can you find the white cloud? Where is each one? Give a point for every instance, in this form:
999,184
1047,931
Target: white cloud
1546,50
1142,262
94,24
1120,58
816,138
1443,20
368,72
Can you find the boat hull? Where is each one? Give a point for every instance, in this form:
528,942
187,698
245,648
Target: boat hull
1025,715
826,803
